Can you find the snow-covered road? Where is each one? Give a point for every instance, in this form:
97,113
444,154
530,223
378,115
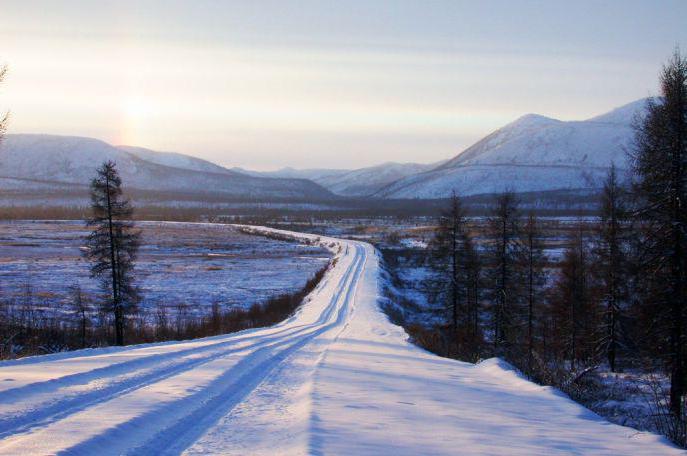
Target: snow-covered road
336,378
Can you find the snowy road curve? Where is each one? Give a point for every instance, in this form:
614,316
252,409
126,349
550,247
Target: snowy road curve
336,378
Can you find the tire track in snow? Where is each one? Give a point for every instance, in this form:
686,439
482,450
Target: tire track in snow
185,434
186,431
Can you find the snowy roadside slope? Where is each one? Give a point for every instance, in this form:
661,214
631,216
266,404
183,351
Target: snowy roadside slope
336,378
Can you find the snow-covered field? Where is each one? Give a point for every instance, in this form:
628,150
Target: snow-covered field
179,264
336,378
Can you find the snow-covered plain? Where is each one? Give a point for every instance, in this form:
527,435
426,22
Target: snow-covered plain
193,265
335,378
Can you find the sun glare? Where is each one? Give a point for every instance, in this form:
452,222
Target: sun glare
135,112
138,108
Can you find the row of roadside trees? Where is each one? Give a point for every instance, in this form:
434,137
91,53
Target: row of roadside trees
619,294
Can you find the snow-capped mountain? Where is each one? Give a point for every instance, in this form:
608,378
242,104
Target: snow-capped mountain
175,160
626,114
352,182
533,153
295,173
367,181
41,162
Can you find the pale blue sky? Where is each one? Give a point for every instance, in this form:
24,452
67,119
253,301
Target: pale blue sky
265,84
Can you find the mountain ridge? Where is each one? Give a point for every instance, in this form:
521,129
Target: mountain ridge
73,159
359,182
532,153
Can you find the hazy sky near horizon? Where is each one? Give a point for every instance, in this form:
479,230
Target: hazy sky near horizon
267,84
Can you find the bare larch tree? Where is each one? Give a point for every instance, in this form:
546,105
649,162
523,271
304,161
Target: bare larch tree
504,285
456,278
533,261
612,264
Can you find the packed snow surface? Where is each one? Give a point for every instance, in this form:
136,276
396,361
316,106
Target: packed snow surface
336,378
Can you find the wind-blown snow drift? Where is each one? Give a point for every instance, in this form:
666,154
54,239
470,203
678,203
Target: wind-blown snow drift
336,378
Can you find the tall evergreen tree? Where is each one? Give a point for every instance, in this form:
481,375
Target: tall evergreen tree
573,306
660,162
504,284
446,257
457,277
113,245
473,299
532,260
611,265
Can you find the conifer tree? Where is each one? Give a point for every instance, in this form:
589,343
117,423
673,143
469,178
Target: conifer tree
457,278
573,306
113,245
532,264
611,264
504,285
660,163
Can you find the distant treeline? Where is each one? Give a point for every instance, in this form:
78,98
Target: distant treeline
552,203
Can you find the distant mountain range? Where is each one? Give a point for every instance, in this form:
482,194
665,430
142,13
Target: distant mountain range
352,182
176,160
44,162
533,153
